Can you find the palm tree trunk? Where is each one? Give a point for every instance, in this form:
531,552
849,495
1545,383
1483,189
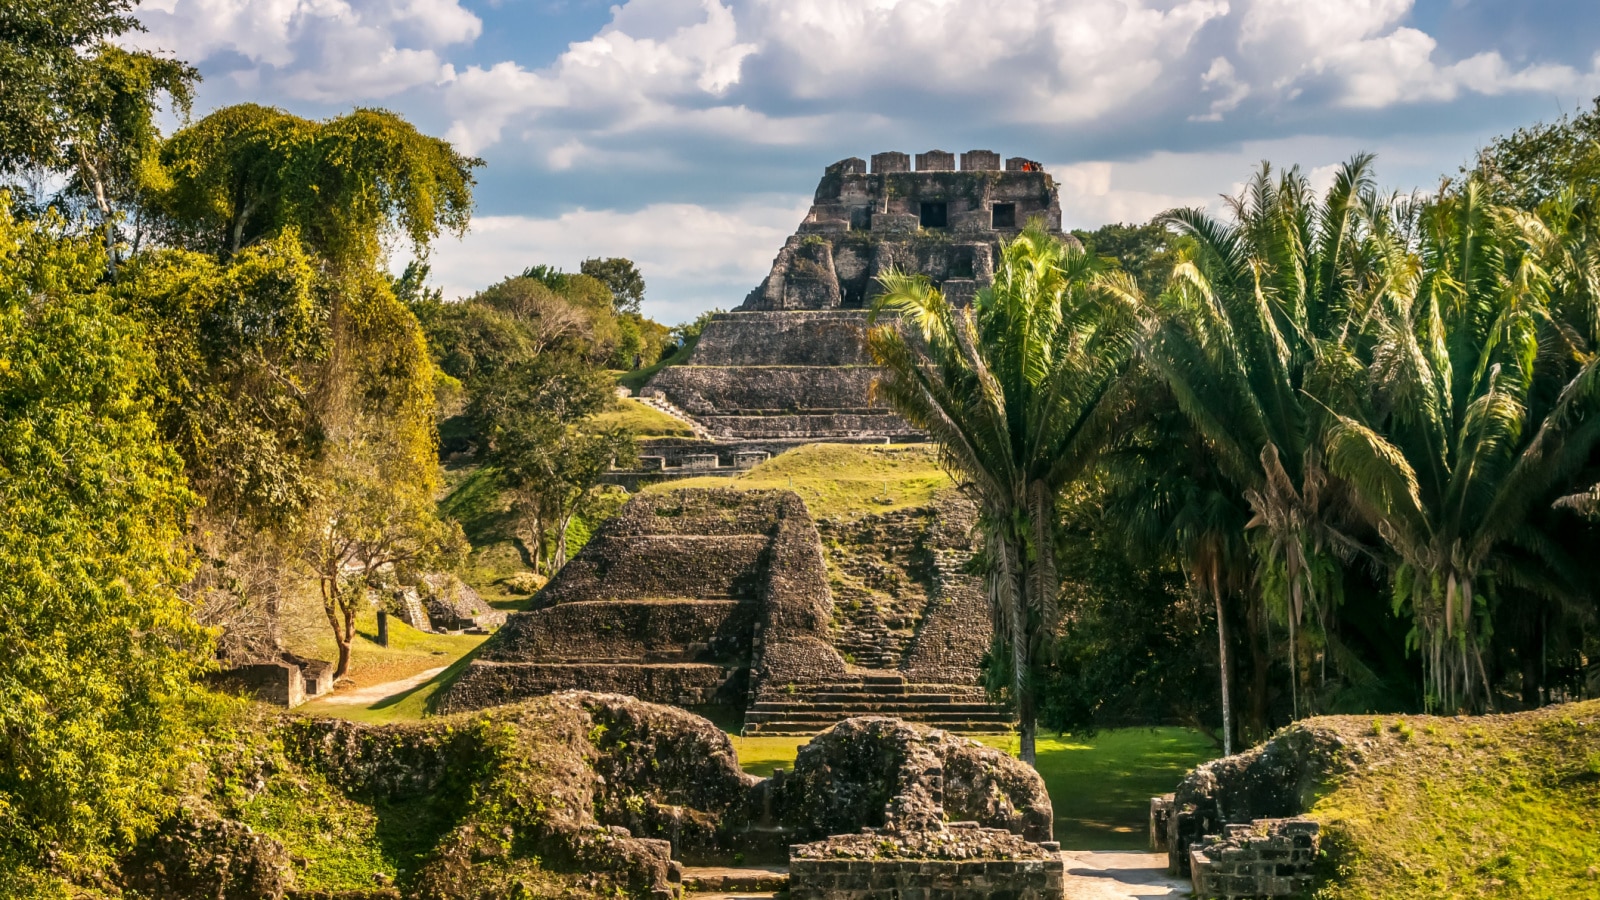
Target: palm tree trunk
1022,685
1222,656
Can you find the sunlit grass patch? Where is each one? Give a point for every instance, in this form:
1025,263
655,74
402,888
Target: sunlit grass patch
843,480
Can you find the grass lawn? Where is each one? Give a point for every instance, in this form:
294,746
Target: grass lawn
842,480
644,421
1100,787
409,651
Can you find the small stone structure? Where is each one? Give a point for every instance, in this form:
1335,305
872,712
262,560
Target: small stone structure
1234,825
905,783
286,681
1267,858
961,862
452,604
709,597
791,363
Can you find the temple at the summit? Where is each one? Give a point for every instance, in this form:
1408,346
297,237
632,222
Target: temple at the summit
790,364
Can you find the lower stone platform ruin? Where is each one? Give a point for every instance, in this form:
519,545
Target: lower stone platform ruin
733,599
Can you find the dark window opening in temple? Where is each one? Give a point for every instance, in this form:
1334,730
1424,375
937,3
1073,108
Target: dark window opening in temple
935,215
1005,215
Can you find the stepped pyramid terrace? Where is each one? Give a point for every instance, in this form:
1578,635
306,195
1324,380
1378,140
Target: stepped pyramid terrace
722,598
790,364
742,599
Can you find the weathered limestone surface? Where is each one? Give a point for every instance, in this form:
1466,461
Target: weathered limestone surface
1273,781
791,362
901,777
681,598
722,597
1267,858
948,818
585,794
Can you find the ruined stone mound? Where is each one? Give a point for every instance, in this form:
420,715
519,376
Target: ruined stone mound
576,794
889,774
1396,807
681,598
716,597
791,363
453,605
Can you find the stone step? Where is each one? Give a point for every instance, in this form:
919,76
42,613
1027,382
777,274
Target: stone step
799,727
719,879
839,715
857,690
888,709
974,696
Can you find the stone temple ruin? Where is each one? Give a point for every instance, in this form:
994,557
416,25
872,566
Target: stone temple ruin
722,598
739,599
790,365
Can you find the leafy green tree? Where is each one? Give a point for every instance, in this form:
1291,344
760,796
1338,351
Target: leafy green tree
247,173
534,422
97,651
1254,340
1482,404
1540,162
374,512
1165,499
623,279
1148,252
110,138
1132,649
1019,392
242,347
44,47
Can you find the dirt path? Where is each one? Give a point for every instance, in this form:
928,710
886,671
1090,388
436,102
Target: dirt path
1120,875
369,695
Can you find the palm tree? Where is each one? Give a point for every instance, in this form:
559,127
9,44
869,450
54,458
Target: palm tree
1480,407
1170,503
1257,323
1018,392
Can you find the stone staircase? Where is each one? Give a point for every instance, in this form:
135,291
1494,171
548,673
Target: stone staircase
868,640
810,708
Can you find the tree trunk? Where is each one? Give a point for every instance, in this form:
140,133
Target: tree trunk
1021,684
1222,665
332,605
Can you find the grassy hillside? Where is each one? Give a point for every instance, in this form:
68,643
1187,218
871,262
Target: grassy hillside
1492,806
841,480
644,421
636,379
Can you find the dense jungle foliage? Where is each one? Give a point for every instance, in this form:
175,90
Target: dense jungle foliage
1329,452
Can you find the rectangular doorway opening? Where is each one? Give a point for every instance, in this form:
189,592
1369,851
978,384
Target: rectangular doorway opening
1005,215
935,215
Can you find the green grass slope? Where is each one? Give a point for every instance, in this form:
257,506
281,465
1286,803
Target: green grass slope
842,480
1100,787
644,421
1493,806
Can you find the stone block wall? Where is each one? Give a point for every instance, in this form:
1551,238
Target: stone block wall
913,879
936,161
278,683
754,390
892,161
487,683
980,161
961,861
1267,858
788,338
641,566
647,631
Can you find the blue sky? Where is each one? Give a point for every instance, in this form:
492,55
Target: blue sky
689,134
